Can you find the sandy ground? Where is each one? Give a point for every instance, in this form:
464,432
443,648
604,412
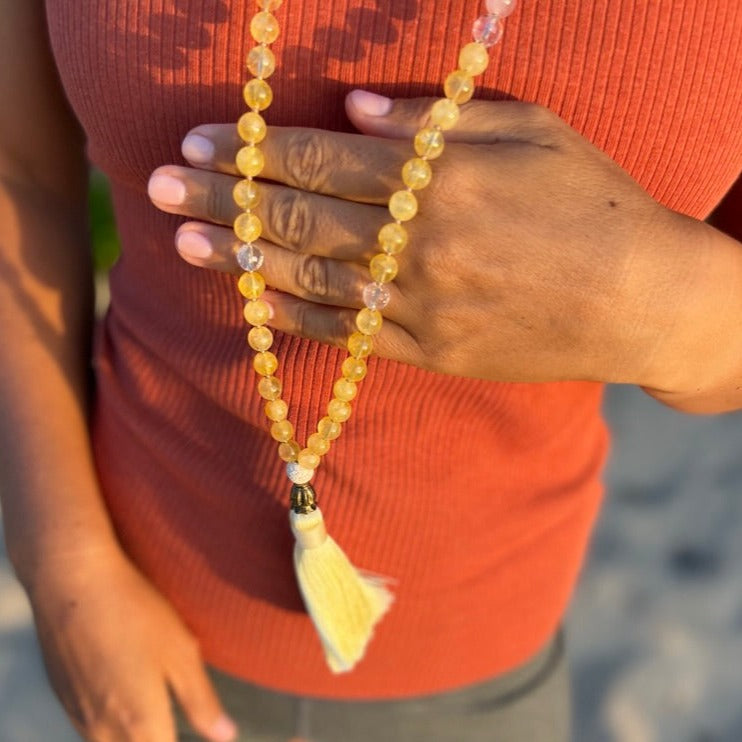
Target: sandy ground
656,627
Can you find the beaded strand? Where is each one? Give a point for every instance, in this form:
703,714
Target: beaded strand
392,237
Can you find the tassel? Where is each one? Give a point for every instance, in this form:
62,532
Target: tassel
344,604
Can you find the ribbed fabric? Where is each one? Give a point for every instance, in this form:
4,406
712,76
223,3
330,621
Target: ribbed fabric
478,497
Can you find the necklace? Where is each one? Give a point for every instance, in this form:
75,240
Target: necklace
344,604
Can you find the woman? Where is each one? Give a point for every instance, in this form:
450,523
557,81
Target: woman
153,540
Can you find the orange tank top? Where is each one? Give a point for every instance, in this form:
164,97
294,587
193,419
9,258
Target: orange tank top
478,497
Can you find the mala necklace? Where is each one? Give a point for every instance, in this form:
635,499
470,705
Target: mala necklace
343,603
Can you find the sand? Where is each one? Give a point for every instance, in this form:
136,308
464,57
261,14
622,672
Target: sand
655,629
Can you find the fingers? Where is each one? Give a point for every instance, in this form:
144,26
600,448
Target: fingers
354,167
333,326
310,277
196,695
295,219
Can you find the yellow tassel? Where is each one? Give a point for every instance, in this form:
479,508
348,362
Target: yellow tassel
344,604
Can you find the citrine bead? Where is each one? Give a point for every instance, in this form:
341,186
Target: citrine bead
459,86
393,238
338,410
360,345
246,194
383,268
257,312
474,58
403,205
429,143
251,285
354,369
369,321
445,113
258,94
329,429
289,451
269,4
416,173
282,431
251,127
317,444
276,410
260,338
308,459
250,161
248,227
270,388
264,27
261,61
345,389
265,363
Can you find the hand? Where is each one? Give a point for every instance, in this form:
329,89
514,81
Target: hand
533,257
113,646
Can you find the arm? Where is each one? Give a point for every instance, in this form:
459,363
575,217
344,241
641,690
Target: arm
89,602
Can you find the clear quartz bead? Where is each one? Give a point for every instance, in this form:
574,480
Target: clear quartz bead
487,30
376,296
503,8
250,258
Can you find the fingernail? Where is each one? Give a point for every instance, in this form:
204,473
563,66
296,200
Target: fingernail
197,148
224,730
166,189
191,244
370,103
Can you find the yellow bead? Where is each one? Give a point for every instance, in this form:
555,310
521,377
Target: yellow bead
248,227
329,429
258,94
403,205
257,312
265,363
250,161
354,369
308,459
393,238
459,86
269,4
416,173
276,410
261,61
345,389
474,58
282,431
369,321
338,410
260,338
360,345
251,285
269,388
429,143
288,451
383,268
246,194
317,444
445,113
251,127
264,27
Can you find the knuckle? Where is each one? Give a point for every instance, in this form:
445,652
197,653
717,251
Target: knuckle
306,162
218,208
311,275
291,217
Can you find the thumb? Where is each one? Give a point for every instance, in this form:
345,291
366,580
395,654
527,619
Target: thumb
196,695
480,121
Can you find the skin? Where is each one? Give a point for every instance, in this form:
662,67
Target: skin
535,257
507,302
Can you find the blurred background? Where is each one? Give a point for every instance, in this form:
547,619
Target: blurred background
655,630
